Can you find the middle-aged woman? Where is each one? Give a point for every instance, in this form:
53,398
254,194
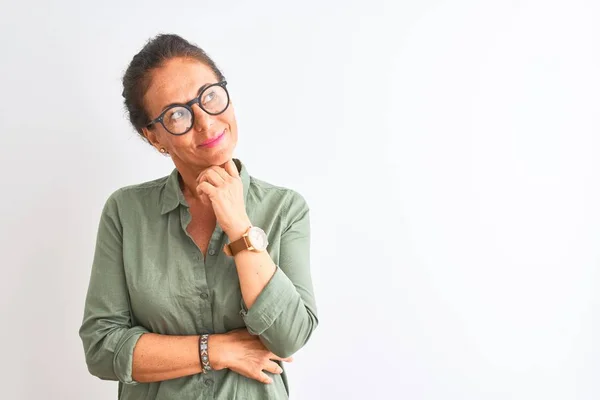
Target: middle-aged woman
200,285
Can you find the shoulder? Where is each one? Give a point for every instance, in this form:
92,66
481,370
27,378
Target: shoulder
144,195
261,189
287,201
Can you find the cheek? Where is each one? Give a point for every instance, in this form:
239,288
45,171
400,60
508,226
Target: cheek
229,119
233,131
181,142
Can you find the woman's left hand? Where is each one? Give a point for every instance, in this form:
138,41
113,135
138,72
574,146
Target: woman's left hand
223,187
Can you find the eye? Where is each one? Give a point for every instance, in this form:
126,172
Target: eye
209,97
176,115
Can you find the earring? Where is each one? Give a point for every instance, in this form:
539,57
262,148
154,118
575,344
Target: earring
163,150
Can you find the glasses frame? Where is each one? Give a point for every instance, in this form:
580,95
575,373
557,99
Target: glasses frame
188,105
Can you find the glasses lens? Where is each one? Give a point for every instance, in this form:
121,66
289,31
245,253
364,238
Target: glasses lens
177,120
215,99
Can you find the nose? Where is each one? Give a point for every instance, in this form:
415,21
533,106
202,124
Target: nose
202,120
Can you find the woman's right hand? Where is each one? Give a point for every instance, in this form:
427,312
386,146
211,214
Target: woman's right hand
243,353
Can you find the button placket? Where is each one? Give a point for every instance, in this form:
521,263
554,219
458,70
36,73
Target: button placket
213,246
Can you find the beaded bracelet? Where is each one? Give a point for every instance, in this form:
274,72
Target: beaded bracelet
203,349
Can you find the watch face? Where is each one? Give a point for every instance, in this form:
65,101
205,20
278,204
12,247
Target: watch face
258,238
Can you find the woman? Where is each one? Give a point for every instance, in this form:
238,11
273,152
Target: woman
200,286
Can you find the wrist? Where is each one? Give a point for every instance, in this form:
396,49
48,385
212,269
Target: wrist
237,231
216,353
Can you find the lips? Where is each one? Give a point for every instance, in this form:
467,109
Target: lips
214,140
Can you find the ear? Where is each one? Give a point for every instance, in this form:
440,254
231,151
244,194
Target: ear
151,137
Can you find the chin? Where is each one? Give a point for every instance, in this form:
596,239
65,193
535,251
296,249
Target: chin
221,157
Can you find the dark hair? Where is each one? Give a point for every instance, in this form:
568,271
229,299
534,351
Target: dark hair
154,54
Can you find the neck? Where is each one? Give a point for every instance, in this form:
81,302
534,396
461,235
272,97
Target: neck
187,182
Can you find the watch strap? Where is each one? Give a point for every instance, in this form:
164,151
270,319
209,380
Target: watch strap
239,245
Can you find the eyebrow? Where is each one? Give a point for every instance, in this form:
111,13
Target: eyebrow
179,104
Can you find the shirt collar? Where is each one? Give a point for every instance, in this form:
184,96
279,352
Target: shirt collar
172,196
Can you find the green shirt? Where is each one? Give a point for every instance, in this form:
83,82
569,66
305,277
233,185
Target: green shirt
148,275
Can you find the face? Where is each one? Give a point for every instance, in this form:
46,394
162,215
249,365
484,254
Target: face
178,81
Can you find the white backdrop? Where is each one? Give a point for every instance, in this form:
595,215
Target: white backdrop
448,150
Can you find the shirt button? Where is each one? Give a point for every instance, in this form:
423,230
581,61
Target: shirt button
203,296
212,252
208,382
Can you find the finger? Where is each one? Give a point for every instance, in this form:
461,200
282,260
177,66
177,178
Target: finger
223,173
202,174
275,357
231,169
272,367
213,177
207,189
204,199
211,171
264,378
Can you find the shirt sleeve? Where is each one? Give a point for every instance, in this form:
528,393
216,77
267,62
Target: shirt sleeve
106,332
284,315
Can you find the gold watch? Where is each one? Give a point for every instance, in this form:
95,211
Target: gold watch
255,239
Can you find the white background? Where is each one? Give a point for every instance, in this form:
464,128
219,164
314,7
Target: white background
448,150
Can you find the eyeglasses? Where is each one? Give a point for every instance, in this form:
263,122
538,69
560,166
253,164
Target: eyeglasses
178,119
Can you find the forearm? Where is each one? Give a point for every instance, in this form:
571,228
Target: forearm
274,310
278,300
254,270
160,357
163,357
280,317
